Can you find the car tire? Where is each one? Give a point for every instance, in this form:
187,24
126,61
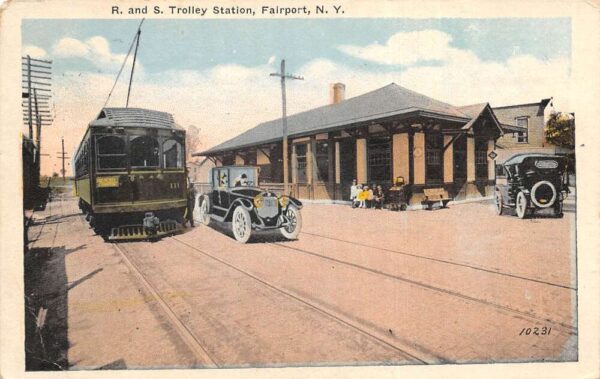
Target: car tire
241,224
499,204
558,209
203,207
295,217
521,205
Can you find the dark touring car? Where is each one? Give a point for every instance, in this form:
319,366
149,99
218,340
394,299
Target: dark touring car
235,197
532,182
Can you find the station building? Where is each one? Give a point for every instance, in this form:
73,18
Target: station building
375,137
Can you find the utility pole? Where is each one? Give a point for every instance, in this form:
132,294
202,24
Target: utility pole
283,76
63,156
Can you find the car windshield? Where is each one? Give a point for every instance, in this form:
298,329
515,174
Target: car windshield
242,177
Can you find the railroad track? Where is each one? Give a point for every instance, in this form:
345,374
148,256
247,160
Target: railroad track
445,261
198,349
557,324
409,349
416,355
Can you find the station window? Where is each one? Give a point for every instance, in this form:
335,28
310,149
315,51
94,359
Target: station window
322,155
481,158
144,152
434,143
301,162
523,122
379,159
110,153
172,154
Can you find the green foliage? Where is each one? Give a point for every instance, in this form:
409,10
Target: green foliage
560,130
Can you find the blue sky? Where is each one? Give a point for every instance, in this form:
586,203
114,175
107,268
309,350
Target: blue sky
197,45
214,73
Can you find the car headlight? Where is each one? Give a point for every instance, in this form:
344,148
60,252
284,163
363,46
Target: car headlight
258,201
283,201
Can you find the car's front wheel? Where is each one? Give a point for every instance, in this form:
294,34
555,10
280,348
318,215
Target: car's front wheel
241,224
499,204
203,214
521,205
292,229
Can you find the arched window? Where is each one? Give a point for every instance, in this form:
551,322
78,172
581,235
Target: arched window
172,154
144,152
110,153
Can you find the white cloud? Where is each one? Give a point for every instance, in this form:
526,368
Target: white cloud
226,100
96,50
34,51
271,60
406,48
70,48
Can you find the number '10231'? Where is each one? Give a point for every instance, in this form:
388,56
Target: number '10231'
544,331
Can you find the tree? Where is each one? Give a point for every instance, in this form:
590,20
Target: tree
192,141
560,130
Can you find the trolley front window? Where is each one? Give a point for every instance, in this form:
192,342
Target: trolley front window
110,153
172,154
144,152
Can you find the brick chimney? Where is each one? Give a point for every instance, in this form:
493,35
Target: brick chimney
337,93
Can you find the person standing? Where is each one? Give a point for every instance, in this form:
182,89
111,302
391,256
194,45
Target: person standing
191,203
354,193
379,197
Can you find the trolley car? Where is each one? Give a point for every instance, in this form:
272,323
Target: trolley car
130,173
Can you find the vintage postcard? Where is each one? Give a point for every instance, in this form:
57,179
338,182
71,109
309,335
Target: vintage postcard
292,189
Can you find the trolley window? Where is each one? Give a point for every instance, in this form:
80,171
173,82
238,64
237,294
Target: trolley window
172,154
144,152
110,153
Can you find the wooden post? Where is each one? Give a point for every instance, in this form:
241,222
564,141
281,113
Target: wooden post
361,160
448,160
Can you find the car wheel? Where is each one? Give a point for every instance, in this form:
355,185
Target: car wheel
558,209
292,230
203,213
521,205
499,204
241,224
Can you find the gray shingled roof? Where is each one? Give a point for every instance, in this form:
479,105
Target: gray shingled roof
386,101
127,117
391,100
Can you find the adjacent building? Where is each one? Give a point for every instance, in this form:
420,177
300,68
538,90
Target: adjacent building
532,117
375,137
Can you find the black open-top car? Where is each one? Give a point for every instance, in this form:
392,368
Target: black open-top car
235,197
530,182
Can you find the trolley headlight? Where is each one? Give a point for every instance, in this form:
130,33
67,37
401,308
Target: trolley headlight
258,201
283,201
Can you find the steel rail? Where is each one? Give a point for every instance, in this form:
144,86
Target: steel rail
338,318
558,324
186,335
484,269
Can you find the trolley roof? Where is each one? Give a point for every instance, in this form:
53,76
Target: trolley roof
134,117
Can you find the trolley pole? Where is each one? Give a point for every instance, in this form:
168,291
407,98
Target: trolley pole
283,76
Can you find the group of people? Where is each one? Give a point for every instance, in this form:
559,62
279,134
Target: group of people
363,196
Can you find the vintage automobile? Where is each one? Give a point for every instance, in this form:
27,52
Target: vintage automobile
235,197
531,182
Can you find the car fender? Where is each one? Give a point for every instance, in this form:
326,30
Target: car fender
245,203
297,203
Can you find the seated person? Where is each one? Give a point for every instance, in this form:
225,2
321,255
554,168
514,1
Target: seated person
378,197
241,181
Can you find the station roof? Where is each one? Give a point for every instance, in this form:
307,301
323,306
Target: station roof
388,101
134,117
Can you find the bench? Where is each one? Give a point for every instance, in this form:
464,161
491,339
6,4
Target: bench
435,196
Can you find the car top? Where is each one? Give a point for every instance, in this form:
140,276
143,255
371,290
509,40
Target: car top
519,158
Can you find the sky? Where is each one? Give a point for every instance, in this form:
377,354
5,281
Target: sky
214,74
